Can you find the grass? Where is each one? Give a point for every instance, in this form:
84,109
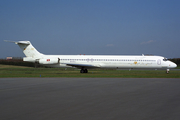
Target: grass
18,71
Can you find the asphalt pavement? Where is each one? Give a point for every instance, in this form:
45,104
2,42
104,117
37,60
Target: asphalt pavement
89,99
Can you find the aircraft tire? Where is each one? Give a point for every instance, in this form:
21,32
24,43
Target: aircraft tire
85,71
81,71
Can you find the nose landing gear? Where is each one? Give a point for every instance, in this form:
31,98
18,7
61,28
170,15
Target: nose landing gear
167,71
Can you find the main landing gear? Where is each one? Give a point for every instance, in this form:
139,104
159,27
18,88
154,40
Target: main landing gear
167,71
83,70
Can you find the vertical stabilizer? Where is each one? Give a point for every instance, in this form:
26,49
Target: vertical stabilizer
28,49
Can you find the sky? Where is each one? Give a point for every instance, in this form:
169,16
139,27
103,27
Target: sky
91,27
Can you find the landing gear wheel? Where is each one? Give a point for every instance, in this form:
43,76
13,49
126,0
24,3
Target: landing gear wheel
167,71
83,71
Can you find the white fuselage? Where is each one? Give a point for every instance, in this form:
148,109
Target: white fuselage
110,61
85,62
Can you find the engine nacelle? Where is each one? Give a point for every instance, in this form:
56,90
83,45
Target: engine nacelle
29,59
49,61
42,61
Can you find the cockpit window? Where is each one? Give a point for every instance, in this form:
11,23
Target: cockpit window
165,59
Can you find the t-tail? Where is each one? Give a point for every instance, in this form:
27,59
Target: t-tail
30,52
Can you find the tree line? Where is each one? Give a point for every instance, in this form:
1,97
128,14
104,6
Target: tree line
16,61
175,60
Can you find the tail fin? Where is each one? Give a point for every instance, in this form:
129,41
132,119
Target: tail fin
28,49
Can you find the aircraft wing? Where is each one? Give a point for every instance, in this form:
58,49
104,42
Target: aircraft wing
83,65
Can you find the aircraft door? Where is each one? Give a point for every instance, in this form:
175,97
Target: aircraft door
159,62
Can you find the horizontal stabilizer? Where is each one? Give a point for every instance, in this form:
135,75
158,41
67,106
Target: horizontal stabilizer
19,42
10,41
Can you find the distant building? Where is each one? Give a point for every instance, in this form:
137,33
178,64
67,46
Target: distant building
9,58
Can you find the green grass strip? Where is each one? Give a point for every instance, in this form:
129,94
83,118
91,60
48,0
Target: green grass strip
11,72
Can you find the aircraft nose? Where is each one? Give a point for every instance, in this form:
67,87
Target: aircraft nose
173,65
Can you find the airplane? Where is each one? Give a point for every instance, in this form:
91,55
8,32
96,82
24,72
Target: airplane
85,62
